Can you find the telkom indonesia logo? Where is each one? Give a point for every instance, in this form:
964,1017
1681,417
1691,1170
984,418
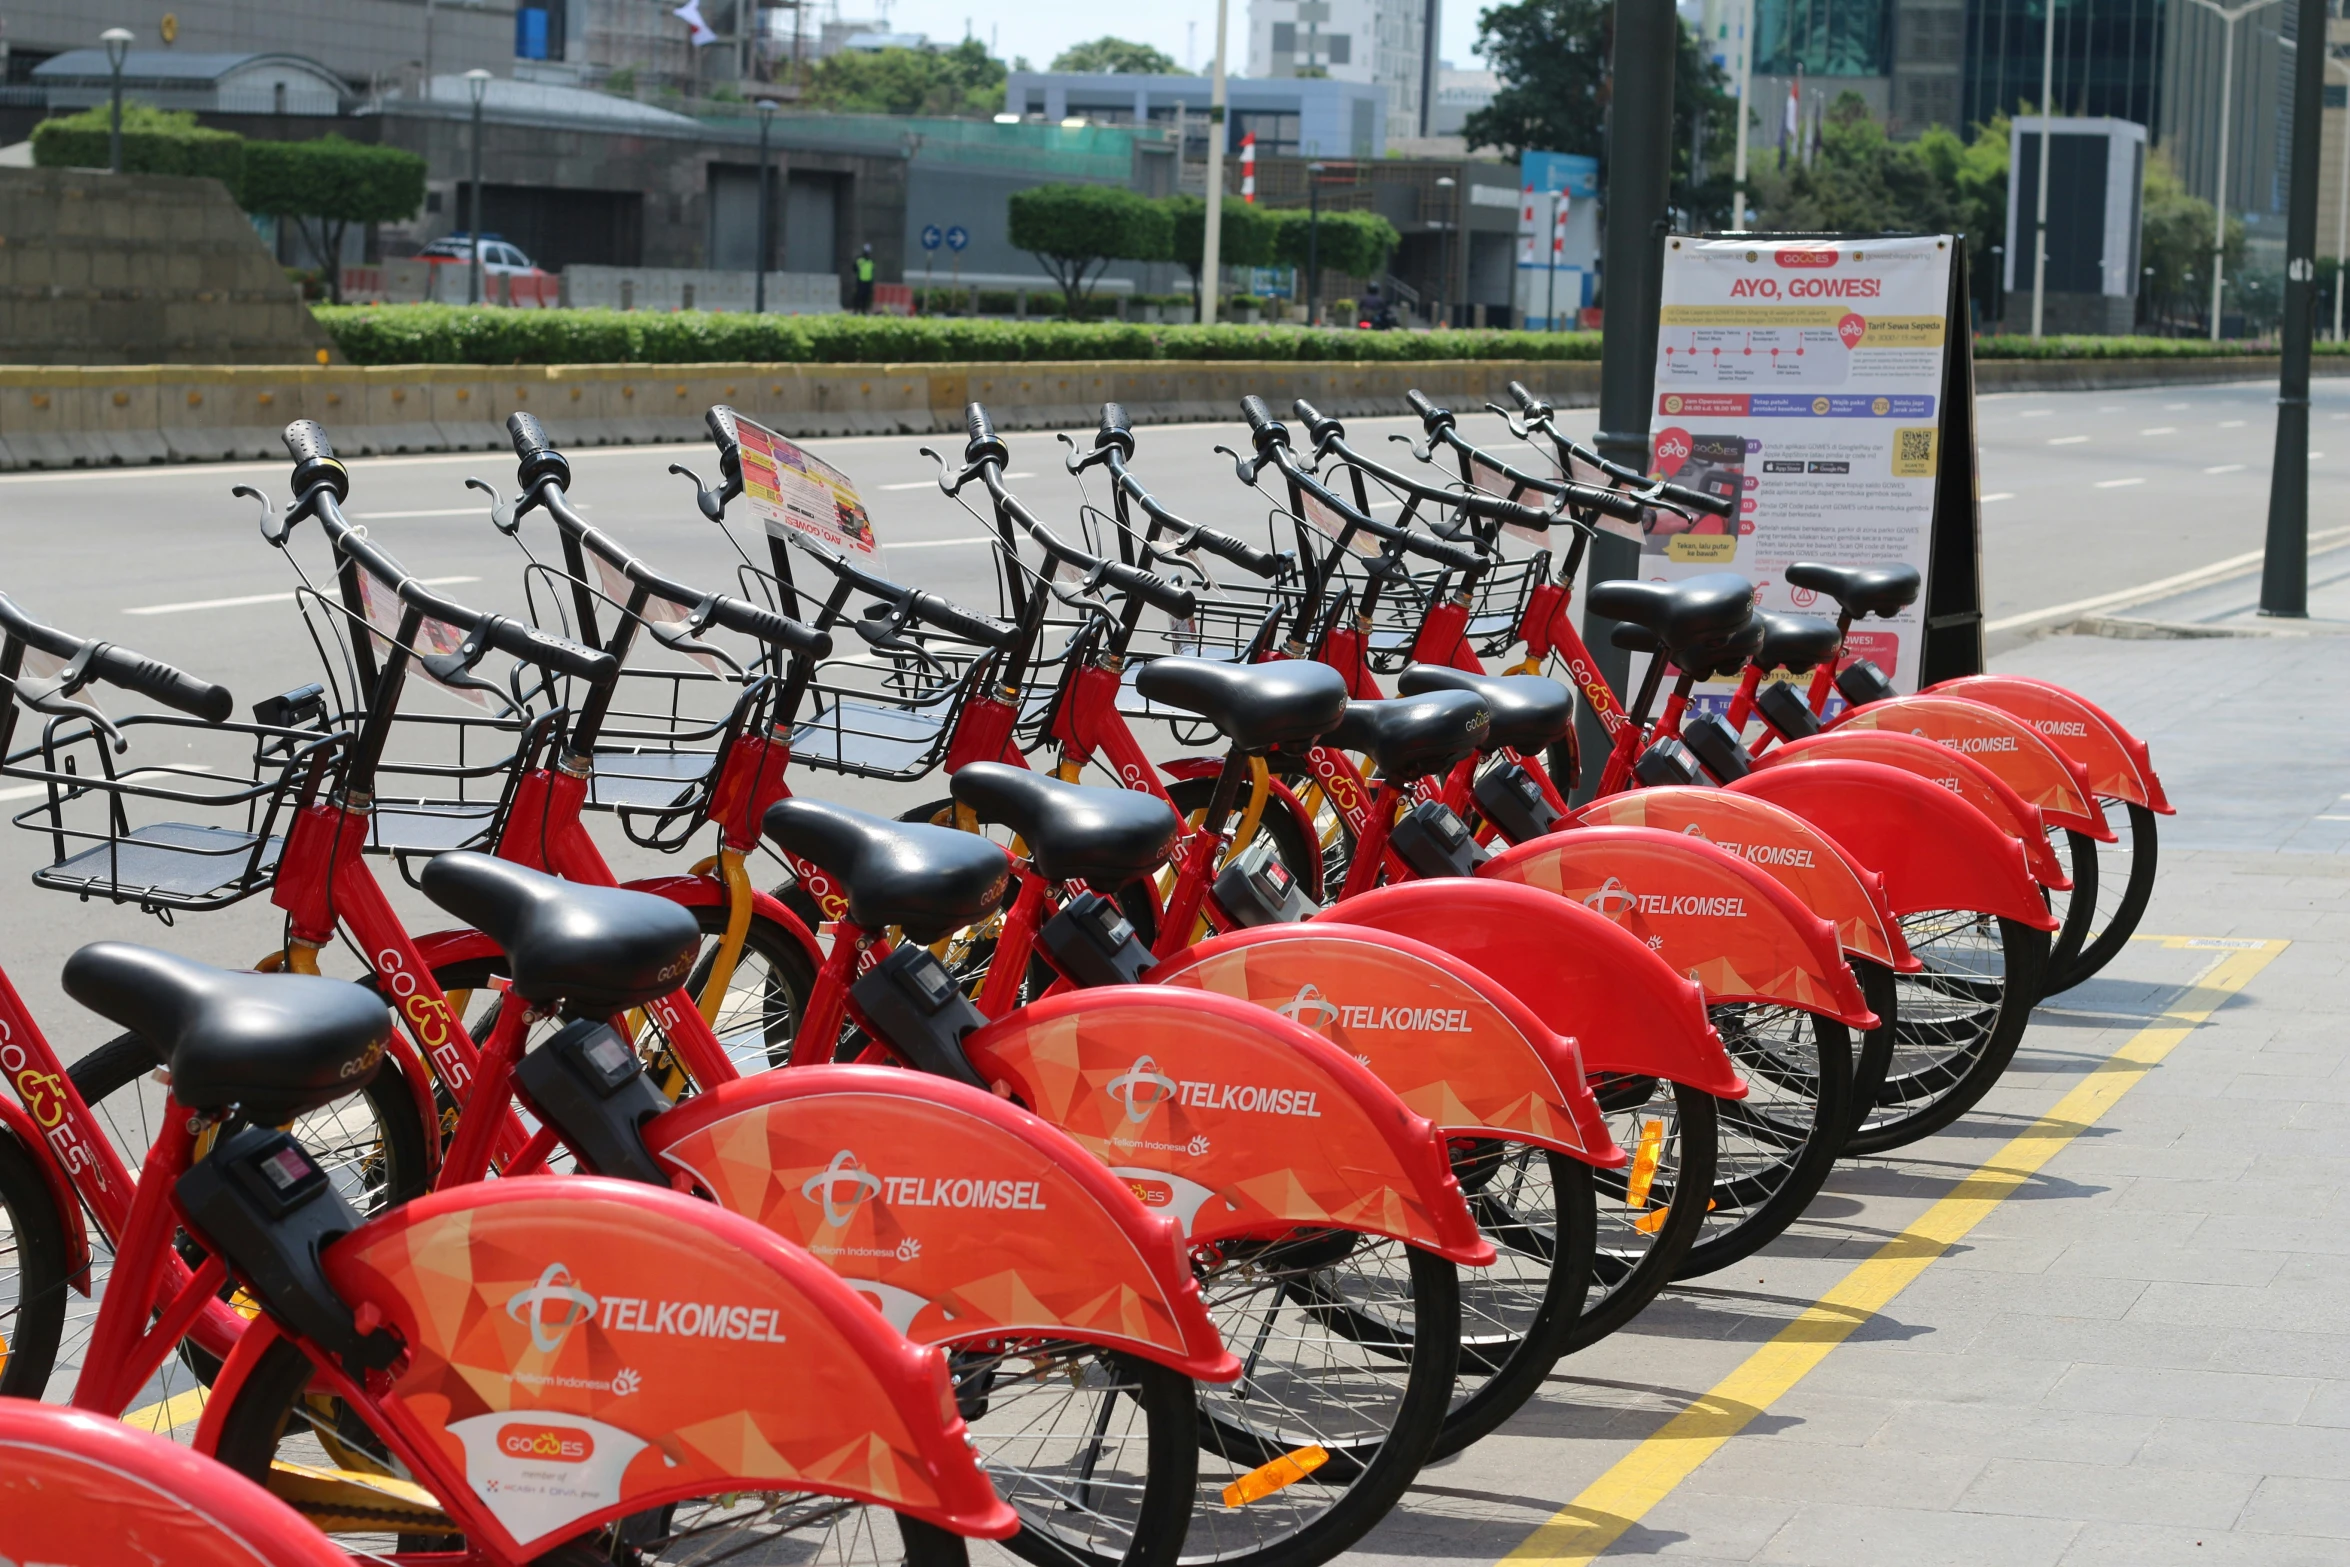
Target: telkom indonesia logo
555,1305
1613,899
1310,1007
826,1184
1141,1088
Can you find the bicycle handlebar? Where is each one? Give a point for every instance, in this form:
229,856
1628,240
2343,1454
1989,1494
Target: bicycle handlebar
119,666
918,604
1114,442
1274,444
1116,430
1588,497
1655,489
321,496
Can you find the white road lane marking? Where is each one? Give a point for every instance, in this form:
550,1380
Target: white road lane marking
2066,440
2117,484
2231,424
2226,467
932,484
263,598
2000,495
2035,413
935,544
2161,429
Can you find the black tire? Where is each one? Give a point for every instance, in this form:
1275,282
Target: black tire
1959,1023
2125,881
1361,1313
1083,1498
1631,1264
1541,1212
1779,1142
33,1281
1875,1056
2076,908
260,1423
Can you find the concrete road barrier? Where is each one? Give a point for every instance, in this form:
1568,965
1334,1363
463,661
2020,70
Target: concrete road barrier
65,417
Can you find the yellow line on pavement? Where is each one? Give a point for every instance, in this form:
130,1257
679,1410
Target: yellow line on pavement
1620,1498
181,1409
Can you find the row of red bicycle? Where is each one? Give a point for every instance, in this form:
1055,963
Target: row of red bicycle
1156,1169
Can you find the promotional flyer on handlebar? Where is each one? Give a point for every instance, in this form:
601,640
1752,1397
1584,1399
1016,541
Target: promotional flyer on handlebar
1804,378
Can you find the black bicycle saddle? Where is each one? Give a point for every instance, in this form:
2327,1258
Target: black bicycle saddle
595,949
277,1046
931,881
1074,832
1682,613
1796,643
1527,712
1862,590
1287,702
1408,737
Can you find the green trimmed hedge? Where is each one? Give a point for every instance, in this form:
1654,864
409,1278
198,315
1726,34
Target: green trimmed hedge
469,335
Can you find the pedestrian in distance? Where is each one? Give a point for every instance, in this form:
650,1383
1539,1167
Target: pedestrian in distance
865,281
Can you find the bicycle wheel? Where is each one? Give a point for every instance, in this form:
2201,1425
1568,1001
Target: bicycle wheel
33,1282
2125,881
1541,1212
1673,1133
1959,1022
1779,1142
1302,858
2074,908
1875,1056
1098,1452
275,1420
1350,1343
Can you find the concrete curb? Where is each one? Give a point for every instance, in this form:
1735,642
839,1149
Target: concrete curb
99,416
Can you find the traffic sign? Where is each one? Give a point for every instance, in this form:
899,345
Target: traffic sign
931,237
958,237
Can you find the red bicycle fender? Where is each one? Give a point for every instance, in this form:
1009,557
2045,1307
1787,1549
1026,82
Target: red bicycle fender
1961,775
1815,867
1934,850
17,1120
1235,1120
666,1347
2002,742
2117,761
956,1213
1282,794
1734,929
1585,976
1453,1044
136,1497
700,892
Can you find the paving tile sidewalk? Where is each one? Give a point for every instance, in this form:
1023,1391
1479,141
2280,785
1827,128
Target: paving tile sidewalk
2143,1356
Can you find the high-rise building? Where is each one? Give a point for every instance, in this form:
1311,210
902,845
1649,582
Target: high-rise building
2259,112
1389,43
2108,57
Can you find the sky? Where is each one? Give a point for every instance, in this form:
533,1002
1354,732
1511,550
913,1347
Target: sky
1041,29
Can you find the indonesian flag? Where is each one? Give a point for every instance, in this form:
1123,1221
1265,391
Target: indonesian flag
1248,167
699,31
1526,225
1558,227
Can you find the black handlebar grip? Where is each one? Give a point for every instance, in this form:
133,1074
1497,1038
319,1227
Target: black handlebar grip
535,455
314,457
1152,589
1615,503
780,630
559,654
951,618
1117,430
1697,500
724,425
1246,556
149,677
1263,429
1320,426
982,445
1420,404
1526,400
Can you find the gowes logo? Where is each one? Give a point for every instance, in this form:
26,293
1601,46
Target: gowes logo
843,1174
554,1306
1806,258
1141,1088
557,1444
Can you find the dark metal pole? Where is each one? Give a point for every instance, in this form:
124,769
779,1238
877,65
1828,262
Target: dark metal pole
1313,238
1639,171
2284,572
473,202
114,135
766,229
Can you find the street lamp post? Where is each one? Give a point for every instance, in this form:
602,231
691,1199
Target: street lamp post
1313,240
1211,256
2341,206
766,212
1444,182
2047,136
118,47
2230,16
478,82
1745,87
2284,565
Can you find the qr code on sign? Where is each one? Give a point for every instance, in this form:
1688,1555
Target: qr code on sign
1913,452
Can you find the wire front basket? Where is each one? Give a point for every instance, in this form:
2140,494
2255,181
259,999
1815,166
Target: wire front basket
124,835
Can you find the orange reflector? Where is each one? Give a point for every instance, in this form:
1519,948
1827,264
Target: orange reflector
1651,1222
1265,1479
1645,1155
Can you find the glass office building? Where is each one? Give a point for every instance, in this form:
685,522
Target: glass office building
2108,57
1824,37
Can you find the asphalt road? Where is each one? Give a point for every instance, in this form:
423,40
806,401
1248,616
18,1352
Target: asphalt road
2084,493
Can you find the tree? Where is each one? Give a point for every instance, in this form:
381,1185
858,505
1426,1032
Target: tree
1352,244
327,185
1861,181
1116,57
1074,231
960,82
1247,239
2175,243
1553,56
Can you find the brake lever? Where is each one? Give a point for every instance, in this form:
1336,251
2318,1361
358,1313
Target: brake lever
274,528
52,695
945,485
1509,420
890,636
684,641
1244,467
712,502
502,514
1425,453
